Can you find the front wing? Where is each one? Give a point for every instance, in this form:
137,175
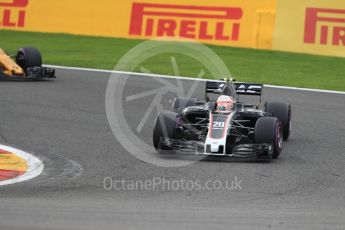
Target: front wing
257,151
34,73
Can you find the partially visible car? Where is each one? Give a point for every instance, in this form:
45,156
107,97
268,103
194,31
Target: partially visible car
25,65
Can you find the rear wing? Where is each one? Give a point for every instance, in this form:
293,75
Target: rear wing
217,87
249,89
234,89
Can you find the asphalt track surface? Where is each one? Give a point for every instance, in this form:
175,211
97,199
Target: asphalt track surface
64,123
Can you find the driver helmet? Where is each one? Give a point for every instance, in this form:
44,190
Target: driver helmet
225,103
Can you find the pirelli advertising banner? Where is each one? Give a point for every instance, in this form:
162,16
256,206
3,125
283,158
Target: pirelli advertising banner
310,26
221,22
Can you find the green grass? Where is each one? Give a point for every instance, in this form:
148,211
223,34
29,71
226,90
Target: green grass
278,68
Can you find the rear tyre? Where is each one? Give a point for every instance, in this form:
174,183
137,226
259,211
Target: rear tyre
181,103
283,112
164,127
29,57
269,130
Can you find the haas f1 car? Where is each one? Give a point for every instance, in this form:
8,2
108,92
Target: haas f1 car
25,65
224,126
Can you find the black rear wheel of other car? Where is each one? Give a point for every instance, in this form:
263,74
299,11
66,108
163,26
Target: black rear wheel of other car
164,127
282,111
269,130
182,102
29,57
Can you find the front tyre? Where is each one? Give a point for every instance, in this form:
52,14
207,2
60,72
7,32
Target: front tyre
29,57
282,111
164,127
269,130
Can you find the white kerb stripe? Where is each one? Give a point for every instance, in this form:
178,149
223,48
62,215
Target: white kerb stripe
185,78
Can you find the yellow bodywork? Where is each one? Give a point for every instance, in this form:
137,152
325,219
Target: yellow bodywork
9,66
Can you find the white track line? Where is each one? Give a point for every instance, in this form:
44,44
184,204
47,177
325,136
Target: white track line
35,166
185,78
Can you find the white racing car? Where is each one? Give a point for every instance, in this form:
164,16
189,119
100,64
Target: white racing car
225,126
